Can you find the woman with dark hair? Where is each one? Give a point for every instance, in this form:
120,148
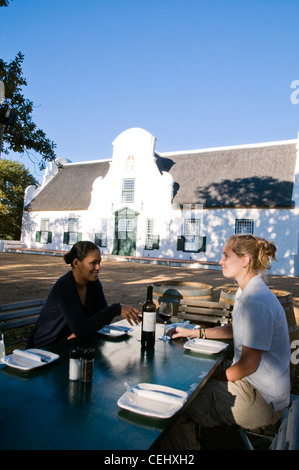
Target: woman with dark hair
76,305
255,389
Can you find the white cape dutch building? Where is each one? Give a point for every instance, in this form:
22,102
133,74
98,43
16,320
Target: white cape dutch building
175,206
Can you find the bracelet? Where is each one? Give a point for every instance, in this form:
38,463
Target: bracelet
201,332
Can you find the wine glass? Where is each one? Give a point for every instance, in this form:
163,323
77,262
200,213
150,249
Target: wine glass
165,313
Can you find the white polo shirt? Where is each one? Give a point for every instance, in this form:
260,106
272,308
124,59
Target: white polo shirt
259,322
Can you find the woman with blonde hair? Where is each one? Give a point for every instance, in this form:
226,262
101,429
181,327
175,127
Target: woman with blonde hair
255,389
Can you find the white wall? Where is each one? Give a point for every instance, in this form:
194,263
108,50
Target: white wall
58,225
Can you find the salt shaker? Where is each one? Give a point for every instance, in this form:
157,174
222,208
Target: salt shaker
75,364
87,365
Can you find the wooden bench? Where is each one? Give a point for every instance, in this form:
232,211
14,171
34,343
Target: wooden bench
204,312
18,315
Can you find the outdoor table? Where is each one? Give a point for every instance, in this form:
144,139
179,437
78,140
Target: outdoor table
43,409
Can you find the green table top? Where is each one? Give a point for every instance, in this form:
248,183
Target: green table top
43,409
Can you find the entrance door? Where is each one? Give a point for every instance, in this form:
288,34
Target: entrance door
125,232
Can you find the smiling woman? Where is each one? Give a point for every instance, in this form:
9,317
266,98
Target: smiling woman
76,305
85,259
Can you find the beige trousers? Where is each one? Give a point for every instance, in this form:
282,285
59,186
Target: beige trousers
220,402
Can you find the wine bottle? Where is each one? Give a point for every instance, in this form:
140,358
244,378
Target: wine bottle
148,321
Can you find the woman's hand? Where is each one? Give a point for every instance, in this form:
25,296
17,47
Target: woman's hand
131,314
180,332
216,332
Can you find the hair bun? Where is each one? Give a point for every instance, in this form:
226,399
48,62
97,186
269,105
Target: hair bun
79,251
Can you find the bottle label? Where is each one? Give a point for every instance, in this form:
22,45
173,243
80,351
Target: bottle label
149,321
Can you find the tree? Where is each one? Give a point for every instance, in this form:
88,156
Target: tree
4,3
23,135
14,178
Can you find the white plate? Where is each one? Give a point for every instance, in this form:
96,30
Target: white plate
152,406
114,330
205,346
25,363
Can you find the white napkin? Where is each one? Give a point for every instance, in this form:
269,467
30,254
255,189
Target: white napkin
211,344
159,396
205,344
29,355
111,331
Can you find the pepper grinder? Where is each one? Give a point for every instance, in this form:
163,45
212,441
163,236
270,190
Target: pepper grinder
87,364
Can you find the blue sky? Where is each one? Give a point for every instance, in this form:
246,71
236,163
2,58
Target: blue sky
193,73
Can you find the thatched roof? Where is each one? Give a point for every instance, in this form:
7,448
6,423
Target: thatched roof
257,176
253,176
70,188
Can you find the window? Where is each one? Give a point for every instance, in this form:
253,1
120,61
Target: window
191,240
44,225
149,234
72,236
191,234
101,238
244,226
128,190
73,225
152,241
124,226
73,231
44,235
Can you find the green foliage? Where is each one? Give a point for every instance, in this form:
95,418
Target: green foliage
14,178
23,135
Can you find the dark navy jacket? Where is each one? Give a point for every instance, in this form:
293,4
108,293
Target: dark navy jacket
63,313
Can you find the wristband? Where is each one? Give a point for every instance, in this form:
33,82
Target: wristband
201,332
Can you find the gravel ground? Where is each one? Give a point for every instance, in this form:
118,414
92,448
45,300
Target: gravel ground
27,276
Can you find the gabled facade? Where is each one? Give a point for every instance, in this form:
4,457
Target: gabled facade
180,205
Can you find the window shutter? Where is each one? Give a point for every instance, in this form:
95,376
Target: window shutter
37,236
49,237
156,242
202,244
97,239
66,238
180,243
